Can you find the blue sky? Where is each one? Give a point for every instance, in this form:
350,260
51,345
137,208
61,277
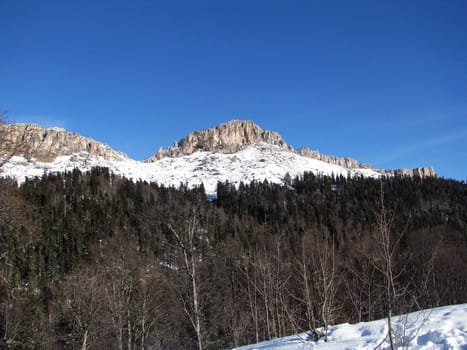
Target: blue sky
384,82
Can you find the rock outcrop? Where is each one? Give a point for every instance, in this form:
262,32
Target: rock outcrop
351,163
415,172
235,135
32,141
348,163
45,144
228,137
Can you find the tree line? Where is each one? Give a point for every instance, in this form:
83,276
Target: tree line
96,261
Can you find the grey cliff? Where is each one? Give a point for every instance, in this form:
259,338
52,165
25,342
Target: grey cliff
45,144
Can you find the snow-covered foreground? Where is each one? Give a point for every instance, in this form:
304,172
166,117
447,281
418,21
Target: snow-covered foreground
259,162
441,328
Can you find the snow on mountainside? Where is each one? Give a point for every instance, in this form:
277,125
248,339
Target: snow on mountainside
259,161
234,151
442,328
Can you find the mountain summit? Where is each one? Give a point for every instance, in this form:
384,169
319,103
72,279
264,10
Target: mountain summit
236,151
229,137
32,141
236,135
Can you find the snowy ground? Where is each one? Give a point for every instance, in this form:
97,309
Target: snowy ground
441,328
257,162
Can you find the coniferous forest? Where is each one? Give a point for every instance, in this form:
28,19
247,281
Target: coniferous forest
96,261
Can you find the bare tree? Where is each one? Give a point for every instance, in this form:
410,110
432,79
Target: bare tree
271,288
129,288
11,293
17,233
328,282
319,282
249,277
306,283
84,306
146,309
360,281
383,258
187,241
118,296
266,282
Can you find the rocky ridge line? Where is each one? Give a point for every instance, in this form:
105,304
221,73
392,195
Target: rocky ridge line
236,135
348,163
45,144
351,163
229,137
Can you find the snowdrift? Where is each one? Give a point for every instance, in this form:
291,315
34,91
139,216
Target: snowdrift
439,328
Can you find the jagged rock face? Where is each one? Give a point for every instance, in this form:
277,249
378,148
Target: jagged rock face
351,163
45,145
235,135
416,172
228,137
34,141
348,163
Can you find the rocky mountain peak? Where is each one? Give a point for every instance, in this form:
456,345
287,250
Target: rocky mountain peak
235,135
227,137
45,144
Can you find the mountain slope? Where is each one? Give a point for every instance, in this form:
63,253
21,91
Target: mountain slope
235,151
259,162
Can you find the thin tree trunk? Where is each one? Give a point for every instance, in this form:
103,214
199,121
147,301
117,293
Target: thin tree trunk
196,303
5,336
390,334
253,303
187,246
143,322
85,341
129,331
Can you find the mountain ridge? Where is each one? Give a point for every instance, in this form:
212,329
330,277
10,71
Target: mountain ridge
229,137
235,135
234,151
45,144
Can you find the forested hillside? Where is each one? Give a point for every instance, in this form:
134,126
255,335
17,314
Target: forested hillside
96,261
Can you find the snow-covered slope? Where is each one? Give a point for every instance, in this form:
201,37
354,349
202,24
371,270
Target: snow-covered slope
259,161
442,328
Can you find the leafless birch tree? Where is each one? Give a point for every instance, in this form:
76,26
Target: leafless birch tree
319,282
187,241
383,258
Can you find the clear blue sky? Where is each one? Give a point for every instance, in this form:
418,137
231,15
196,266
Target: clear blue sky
384,82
